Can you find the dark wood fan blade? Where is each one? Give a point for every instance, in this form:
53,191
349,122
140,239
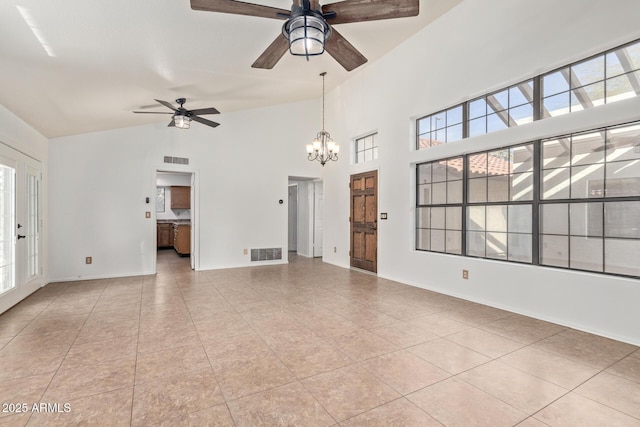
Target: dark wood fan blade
152,112
370,10
343,51
272,54
240,8
205,121
166,104
204,111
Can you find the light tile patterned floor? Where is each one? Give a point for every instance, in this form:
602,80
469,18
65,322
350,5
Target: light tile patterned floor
305,344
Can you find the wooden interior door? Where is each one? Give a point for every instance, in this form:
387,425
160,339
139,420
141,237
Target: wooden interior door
364,221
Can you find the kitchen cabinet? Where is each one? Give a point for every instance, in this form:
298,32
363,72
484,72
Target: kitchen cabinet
182,238
164,236
180,197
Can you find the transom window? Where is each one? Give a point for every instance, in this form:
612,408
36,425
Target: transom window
602,79
366,148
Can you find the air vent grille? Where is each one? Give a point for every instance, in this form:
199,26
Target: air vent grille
266,254
176,160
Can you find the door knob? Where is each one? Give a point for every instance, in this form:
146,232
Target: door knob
21,236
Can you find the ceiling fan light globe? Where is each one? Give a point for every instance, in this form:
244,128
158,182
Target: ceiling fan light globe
306,35
182,122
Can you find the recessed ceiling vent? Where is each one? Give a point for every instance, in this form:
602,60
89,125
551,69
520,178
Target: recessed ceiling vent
176,160
268,254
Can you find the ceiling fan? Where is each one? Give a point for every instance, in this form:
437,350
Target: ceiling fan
181,117
307,30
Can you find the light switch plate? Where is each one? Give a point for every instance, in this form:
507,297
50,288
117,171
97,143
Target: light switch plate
147,214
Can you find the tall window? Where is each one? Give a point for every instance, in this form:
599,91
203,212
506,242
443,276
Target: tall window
499,209
577,196
439,211
366,148
590,202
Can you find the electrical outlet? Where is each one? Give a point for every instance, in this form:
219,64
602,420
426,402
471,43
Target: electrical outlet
335,249
245,251
88,260
465,274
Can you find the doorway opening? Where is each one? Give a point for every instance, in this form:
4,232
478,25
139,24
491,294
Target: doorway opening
306,217
176,219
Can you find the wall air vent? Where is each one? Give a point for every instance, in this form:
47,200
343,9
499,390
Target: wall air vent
176,160
268,254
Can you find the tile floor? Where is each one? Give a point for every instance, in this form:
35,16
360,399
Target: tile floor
305,344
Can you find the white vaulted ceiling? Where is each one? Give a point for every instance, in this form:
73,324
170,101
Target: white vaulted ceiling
76,66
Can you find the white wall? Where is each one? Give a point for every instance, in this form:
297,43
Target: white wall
305,230
100,180
17,134
479,46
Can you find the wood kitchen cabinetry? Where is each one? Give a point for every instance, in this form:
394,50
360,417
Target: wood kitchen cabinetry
180,197
164,235
182,238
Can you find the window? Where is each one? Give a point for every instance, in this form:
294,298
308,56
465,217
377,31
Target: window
439,211
577,196
608,77
160,200
440,128
366,148
509,107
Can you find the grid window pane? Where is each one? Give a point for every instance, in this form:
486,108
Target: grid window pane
586,181
554,218
424,173
477,108
622,87
521,115
454,192
476,243
586,253
423,241
454,242
437,240
497,121
454,133
423,218
587,96
520,219
586,72
437,218
496,245
439,193
521,94
454,218
554,250
622,219
623,179
521,186
477,190
477,126
556,183
476,218
424,194
623,143
621,256
454,115
555,83
520,247
498,188
556,153
497,218
556,105
439,171
587,149
586,219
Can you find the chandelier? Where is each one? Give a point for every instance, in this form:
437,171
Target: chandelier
323,148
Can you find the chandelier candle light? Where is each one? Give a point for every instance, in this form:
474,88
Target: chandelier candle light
323,148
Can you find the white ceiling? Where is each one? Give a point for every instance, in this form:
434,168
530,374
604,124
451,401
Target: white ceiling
116,56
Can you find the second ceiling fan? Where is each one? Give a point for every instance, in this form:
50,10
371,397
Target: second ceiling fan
308,29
